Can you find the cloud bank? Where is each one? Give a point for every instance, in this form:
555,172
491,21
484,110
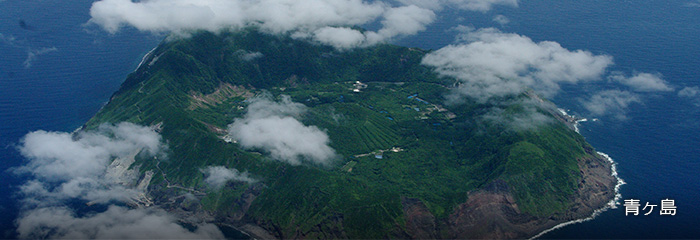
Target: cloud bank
68,166
92,166
695,3
322,21
115,223
248,56
642,82
610,102
276,16
496,64
9,40
519,115
489,64
692,93
500,19
32,54
218,176
472,5
273,127
689,92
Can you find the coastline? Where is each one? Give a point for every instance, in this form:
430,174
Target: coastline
491,202
572,122
575,122
148,55
612,204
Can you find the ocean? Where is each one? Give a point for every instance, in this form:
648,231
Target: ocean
56,72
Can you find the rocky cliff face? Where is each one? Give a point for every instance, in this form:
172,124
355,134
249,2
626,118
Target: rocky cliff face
489,213
492,213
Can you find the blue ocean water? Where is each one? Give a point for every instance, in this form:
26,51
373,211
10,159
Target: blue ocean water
657,147
76,68
55,73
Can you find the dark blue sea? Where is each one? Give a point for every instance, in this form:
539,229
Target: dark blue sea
56,72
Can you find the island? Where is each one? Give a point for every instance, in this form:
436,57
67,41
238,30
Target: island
378,152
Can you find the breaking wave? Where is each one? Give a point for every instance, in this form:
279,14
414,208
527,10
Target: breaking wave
612,204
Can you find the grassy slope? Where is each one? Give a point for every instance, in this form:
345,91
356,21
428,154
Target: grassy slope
443,159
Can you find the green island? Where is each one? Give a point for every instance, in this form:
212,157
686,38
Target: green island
408,165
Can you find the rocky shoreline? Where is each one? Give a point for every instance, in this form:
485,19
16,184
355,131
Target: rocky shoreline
610,205
490,212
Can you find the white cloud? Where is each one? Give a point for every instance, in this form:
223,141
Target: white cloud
340,37
60,156
217,176
495,64
692,93
77,166
610,102
38,193
162,16
472,5
263,106
248,56
642,82
695,3
92,166
490,64
115,223
273,127
32,54
274,16
323,21
406,20
500,19
689,92
522,115
10,40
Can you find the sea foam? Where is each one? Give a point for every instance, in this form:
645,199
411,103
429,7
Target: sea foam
612,204
576,120
145,57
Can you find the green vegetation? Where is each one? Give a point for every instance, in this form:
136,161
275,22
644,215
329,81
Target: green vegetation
442,152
